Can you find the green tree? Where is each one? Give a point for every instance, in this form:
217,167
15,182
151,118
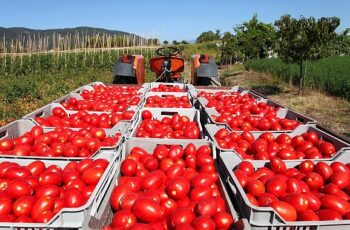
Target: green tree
165,42
208,36
255,38
183,42
229,50
175,42
304,39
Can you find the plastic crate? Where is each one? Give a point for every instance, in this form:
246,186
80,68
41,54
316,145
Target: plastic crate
164,94
19,127
159,113
340,145
195,90
283,113
157,84
265,217
104,213
71,217
47,111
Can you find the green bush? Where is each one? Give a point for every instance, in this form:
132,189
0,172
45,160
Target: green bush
331,75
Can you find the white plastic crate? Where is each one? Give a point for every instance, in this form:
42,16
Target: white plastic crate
282,113
341,146
164,94
160,113
47,111
71,217
265,218
19,127
104,213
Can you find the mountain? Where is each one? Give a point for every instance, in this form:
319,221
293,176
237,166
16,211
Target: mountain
50,37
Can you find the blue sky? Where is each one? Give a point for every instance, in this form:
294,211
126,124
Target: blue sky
179,19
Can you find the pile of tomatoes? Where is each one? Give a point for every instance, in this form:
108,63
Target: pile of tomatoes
168,101
34,193
102,105
105,99
58,142
266,146
176,126
167,88
83,119
309,192
173,188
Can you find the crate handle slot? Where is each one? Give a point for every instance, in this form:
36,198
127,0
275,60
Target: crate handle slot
165,113
3,133
300,119
39,114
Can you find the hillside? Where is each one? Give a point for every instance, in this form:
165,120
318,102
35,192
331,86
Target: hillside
31,37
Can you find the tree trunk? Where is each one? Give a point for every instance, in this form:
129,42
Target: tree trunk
302,76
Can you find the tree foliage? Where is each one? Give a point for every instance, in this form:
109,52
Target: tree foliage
208,36
255,38
303,39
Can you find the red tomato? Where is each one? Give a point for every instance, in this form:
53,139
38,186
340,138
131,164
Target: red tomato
299,201
276,185
204,222
153,180
328,214
117,194
146,114
335,203
73,198
19,187
92,176
223,220
246,167
178,188
181,216
5,205
50,178
277,165
308,215
324,170
128,167
314,180
255,188
123,218
23,206
147,210
36,168
285,210
206,207
41,205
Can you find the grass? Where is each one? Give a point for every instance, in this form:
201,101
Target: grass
332,112
330,75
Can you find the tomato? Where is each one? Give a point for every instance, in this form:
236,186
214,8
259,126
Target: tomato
92,176
308,215
175,152
19,187
135,183
255,188
277,165
204,222
24,219
41,205
314,180
223,220
146,114
266,199
246,167
314,201
36,167
276,185
128,167
200,193
299,201
123,218
181,216
341,179
327,149
6,145
175,171
117,194
202,179
50,178
147,210
178,188
101,163
73,198
23,206
335,203
153,180
16,172
339,167
328,214
206,207
324,170
241,177
5,205
285,210
307,166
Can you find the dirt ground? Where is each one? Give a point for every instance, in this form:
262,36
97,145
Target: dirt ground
331,112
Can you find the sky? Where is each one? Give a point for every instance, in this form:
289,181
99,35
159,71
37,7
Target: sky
167,20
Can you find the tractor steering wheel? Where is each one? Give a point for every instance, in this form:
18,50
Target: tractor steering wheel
167,51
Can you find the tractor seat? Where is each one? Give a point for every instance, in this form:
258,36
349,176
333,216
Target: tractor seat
177,66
